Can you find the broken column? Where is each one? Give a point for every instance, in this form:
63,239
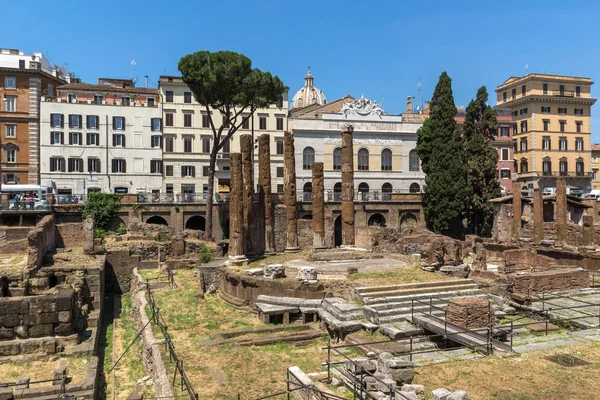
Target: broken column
88,235
561,210
248,183
264,186
538,216
517,213
318,206
236,212
290,193
588,230
347,186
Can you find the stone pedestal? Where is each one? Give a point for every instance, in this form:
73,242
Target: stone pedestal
561,210
264,187
348,233
236,213
469,312
290,193
307,274
318,206
248,188
517,212
273,271
538,216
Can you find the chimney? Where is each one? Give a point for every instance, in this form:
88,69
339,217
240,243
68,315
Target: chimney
55,70
427,103
409,104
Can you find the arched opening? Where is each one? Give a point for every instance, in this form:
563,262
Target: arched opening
308,157
413,161
197,222
408,221
363,159
115,223
376,220
337,231
307,191
337,158
386,160
157,220
307,216
414,188
363,191
52,281
386,191
337,192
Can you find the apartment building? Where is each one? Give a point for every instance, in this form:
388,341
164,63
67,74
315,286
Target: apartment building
24,78
551,117
188,140
104,137
595,166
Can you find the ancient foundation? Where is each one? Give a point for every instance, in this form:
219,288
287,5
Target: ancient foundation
290,193
588,230
236,213
348,233
561,210
264,186
538,216
318,206
248,188
517,214
470,312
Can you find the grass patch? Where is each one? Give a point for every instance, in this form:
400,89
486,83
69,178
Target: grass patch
396,276
41,370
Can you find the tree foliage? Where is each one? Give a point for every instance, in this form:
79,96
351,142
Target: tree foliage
225,81
479,131
102,206
440,148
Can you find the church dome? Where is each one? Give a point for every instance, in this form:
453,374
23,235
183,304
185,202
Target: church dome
308,94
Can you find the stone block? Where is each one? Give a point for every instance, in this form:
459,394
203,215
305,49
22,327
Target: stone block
6,393
64,300
64,317
23,383
40,319
59,373
9,348
41,330
42,304
254,272
274,271
458,395
21,332
410,396
16,305
6,333
361,364
418,389
64,329
307,274
440,394
9,321
47,345
458,271
30,346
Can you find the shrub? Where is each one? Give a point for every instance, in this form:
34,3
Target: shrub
101,206
100,233
204,253
121,230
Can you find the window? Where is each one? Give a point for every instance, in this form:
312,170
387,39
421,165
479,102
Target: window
188,171
279,146
126,100
169,96
280,172
279,189
21,64
280,102
74,121
562,143
413,161
546,124
561,89
205,170
75,138
514,128
279,123
119,123
523,144
579,167
562,110
524,165
386,160
168,145
579,144
98,99
187,97
225,121
262,123
505,173
595,175
505,154
57,164
156,124
93,139
578,126
546,166
523,111
579,111
523,90
92,121
245,122
119,166
562,125
514,94
503,96
187,120
72,98
545,88
563,167
169,170
10,103
504,132
226,146
514,113
363,159
545,109
523,126
75,165
337,158
205,121
308,157
151,101
94,165
307,191
156,166
546,143
56,121
577,91
119,140
11,178
156,141
386,191
10,131
57,138
187,145
10,82
168,119
11,155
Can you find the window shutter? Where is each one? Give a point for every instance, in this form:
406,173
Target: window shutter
80,164
114,122
62,121
124,141
161,124
113,165
70,121
80,138
161,142
193,172
51,137
89,165
52,169
182,172
124,166
114,140
87,121
152,167
80,120
97,139
5,178
123,123
152,141
62,165
98,166
87,138
70,137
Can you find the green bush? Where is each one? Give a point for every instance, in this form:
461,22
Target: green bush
204,253
100,233
121,230
102,206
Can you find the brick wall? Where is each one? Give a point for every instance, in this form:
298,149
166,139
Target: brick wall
556,279
70,235
41,240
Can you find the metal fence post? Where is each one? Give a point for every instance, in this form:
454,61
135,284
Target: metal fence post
411,348
511,335
288,383
431,305
329,360
361,381
412,310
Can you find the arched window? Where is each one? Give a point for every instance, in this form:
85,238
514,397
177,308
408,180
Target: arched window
579,167
363,159
337,192
307,191
563,167
547,166
414,188
308,158
524,165
363,191
413,161
386,191
337,158
386,160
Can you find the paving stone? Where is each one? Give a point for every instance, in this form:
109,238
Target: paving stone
440,394
458,395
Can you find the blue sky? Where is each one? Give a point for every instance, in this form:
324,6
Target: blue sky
377,48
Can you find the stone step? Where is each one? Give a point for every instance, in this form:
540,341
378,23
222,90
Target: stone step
448,293
408,292
403,317
401,330
408,286
339,325
341,309
422,301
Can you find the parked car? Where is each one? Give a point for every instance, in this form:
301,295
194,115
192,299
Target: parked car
571,190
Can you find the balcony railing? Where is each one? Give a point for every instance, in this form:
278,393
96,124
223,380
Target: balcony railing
373,195
563,93
180,198
24,206
555,174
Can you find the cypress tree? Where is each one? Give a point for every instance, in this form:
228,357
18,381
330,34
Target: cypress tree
479,131
441,150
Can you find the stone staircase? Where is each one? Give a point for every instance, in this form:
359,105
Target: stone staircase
343,316
394,303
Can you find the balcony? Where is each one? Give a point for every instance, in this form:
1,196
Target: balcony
554,174
563,93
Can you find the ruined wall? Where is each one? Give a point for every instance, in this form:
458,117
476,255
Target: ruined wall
503,223
13,239
119,270
368,237
549,281
280,227
41,239
71,234
305,234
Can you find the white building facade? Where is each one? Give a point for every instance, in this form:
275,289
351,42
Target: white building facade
102,138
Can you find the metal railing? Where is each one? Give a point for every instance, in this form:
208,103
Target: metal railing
563,93
180,198
24,206
70,198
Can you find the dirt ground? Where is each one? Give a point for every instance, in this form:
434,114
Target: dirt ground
41,370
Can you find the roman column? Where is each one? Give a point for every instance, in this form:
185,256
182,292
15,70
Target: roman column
538,216
517,212
290,193
318,206
561,210
248,184
588,230
347,186
236,212
264,185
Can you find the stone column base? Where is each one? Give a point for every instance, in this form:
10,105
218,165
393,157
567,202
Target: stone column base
238,261
291,250
347,246
269,252
321,247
